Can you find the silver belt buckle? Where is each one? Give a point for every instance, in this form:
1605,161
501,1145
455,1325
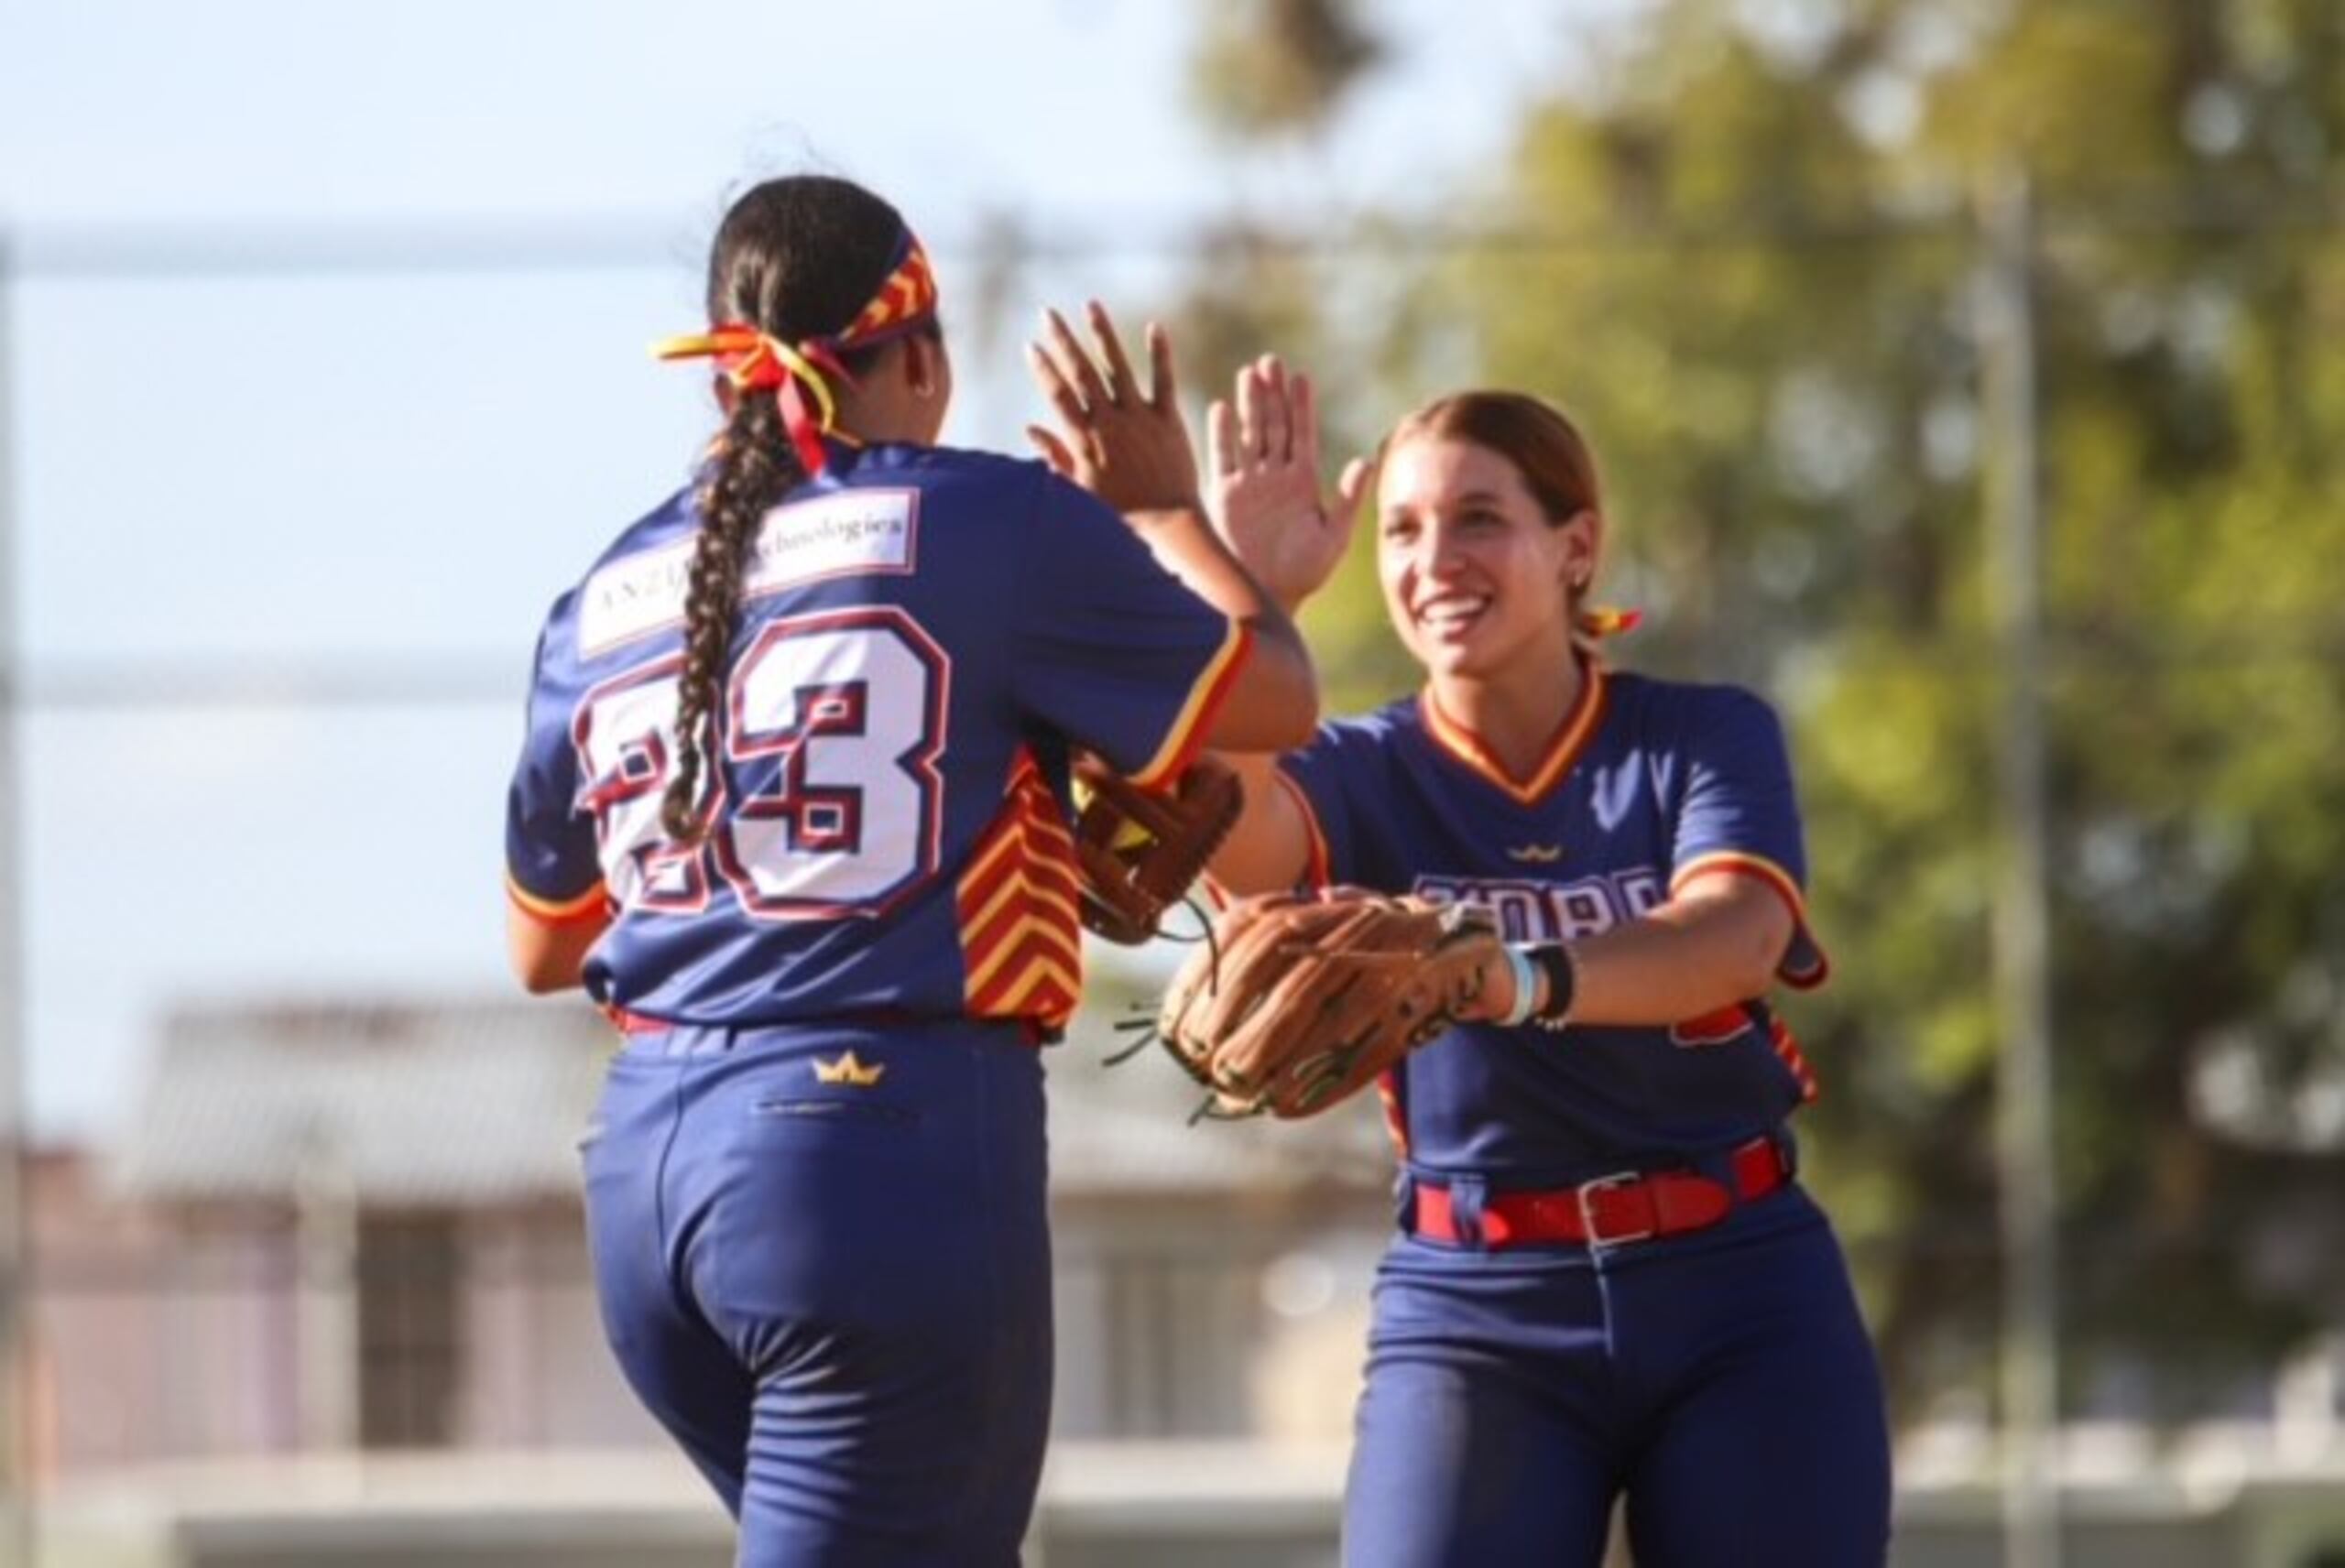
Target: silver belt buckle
1586,1192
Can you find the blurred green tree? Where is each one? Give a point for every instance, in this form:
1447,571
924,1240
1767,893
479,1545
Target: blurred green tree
1745,260
1279,67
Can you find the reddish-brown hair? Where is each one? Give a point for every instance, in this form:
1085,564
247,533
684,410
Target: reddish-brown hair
1537,438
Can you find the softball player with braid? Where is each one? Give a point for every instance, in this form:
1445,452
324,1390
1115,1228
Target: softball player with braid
791,807
1607,1282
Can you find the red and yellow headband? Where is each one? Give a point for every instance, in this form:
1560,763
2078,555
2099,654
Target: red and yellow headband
799,374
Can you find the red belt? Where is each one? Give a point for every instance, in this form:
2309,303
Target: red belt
1629,1206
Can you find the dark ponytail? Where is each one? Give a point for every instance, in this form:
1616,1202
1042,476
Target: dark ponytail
796,257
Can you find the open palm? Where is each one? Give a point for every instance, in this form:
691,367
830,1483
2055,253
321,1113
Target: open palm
1125,443
1263,455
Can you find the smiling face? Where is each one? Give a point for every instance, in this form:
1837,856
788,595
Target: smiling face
1480,581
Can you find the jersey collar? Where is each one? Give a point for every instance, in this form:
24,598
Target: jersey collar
1571,739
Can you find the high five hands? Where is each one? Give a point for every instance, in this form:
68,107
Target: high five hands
1263,449
1129,447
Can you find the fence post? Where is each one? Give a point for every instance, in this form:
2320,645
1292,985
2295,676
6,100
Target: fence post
16,1231
2024,1155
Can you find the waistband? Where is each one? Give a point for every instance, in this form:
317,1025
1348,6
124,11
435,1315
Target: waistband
1605,1211
628,1023
641,1030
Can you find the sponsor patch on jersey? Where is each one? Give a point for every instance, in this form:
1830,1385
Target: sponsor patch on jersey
830,536
631,596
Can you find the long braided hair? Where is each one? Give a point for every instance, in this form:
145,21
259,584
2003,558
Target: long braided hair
795,257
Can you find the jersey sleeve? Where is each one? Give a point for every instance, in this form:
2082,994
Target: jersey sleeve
1740,816
1109,649
550,869
1323,778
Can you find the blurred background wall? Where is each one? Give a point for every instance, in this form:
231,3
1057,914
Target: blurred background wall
1965,377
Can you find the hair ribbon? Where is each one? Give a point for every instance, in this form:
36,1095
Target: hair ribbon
800,375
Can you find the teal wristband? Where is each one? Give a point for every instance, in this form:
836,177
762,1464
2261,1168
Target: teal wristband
1526,988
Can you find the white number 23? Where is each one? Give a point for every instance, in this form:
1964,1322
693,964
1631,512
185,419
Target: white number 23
827,802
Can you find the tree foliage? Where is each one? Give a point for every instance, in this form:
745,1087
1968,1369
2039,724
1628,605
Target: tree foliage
1750,265
1279,67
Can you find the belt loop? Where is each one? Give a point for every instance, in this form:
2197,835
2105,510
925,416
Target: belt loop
1467,1196
1728,1166
1404,1201
1720,1166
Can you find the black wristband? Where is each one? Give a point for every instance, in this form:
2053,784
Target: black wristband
1554,960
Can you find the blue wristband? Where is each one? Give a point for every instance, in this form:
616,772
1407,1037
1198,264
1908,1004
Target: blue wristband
1526,988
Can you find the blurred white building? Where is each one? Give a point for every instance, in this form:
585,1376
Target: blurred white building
325,1300
331,1227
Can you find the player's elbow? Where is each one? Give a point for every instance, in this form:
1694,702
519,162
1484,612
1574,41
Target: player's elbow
544,980
1274,706
1759,941
1754,977
1734,932
1286,731
548,958
538,970
1297,708
1302,722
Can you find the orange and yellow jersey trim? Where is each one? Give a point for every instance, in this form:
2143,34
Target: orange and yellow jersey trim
1786,1048
1318,865
1186,736
593,904
1570,741
1805,965
1020,941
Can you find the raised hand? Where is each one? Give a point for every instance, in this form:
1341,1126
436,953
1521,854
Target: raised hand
1128,447
1262,447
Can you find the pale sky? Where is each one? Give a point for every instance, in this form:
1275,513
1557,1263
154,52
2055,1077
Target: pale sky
352,469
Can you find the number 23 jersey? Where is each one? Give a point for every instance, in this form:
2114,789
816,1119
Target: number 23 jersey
922,633
1649,786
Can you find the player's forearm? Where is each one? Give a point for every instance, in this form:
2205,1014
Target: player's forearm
1268,848
1275,702
1184,544
1673,965
1686,959
549,956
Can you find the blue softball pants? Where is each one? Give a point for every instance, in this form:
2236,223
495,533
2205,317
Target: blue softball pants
1722,1381
834,1294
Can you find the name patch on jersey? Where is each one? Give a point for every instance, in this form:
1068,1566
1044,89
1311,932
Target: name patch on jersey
830,536
1536,910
